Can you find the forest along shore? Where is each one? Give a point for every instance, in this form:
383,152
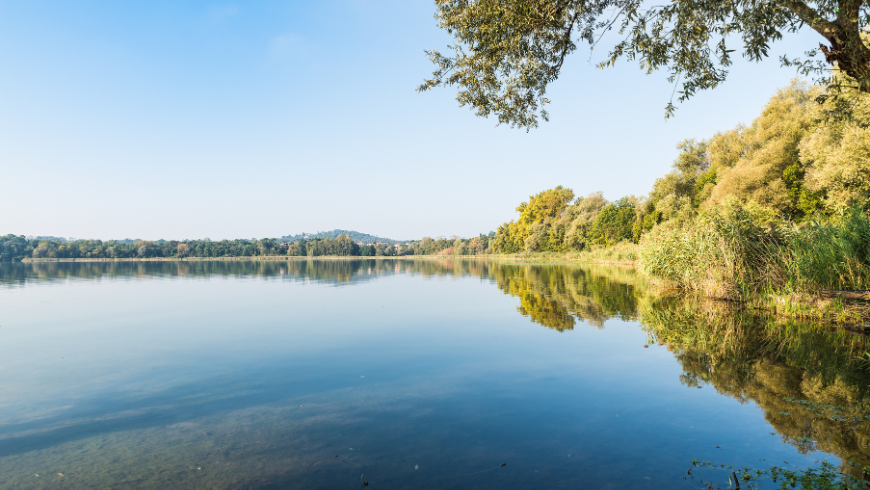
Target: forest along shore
524,257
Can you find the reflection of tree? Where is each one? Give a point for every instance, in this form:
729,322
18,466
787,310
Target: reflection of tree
556,296
755,358
539,308
333,271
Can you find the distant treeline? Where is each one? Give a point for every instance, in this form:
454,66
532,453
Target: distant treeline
16,248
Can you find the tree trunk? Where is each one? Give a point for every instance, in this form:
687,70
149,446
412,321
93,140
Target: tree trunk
848,52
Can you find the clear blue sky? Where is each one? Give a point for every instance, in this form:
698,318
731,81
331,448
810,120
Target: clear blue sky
168,119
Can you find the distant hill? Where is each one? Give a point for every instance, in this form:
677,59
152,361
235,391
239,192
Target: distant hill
354,235
51,238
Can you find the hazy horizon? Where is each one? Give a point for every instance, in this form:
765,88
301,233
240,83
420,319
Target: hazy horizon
315,233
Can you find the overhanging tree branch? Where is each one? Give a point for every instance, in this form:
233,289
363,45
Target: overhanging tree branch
516,48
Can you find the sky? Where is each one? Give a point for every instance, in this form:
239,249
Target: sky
185,120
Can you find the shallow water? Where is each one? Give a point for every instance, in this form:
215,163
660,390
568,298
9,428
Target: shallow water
414,374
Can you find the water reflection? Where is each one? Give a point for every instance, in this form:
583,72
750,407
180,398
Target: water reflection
256,426
804,376
779,364
551,295
558,296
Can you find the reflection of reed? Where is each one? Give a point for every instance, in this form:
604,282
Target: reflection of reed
752,357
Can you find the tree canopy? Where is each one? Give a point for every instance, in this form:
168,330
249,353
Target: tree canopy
506,52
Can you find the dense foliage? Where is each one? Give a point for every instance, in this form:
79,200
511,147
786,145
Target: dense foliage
16,248
793,164
779,205
567,225
506,52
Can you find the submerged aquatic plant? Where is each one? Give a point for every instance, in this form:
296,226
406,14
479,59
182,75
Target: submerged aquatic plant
858,411
825,477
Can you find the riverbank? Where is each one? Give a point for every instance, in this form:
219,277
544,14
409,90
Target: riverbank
619,255
258,258
275,258
837,308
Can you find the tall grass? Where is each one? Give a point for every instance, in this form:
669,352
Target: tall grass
727,253
621,253
833,255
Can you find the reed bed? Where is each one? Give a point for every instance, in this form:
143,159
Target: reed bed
728,254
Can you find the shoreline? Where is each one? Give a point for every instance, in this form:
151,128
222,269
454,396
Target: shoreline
279,258
837,311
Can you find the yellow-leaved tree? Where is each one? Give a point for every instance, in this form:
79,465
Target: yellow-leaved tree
837,153
767,168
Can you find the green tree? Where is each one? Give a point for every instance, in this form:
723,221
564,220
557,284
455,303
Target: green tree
578,220
343,245
296,249
674,195
614,223
506,52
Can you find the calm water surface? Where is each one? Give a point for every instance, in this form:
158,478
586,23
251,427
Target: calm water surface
416,374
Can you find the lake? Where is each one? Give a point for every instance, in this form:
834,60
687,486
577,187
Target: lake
430,374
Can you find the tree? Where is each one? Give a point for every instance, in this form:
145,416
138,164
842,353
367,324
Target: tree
297,249
546,204
836,156
614,223
45,249
476,245
769,171
534,221
343,245
266,246
183,249
506,52
579,219
460,247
